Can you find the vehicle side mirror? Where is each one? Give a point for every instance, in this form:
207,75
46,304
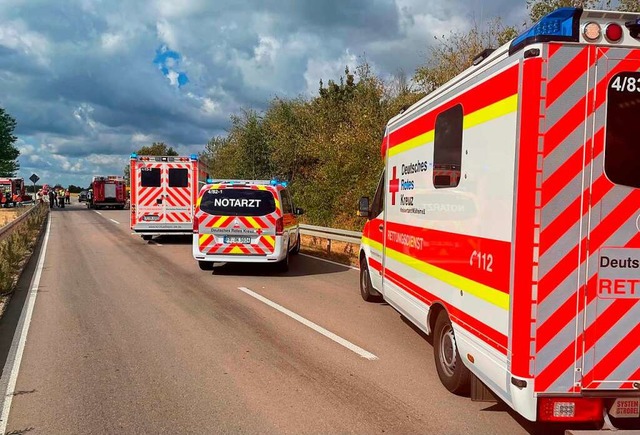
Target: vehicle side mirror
299,211
363,207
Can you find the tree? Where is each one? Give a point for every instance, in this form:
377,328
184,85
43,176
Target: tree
8,152
456,52
155,149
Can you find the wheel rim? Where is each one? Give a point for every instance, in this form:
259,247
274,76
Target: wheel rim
364,278
448,351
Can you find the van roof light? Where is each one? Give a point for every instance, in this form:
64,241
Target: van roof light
134,155
560,25
193,157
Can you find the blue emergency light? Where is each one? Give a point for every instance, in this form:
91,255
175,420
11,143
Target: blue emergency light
209,180
560,25
194,157
134,155
275,182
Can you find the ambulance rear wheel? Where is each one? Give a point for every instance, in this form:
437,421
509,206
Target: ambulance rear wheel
205,265
453,374
367,291
296,249
283,265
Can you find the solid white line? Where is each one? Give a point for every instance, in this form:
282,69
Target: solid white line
14,358
114,221
329,261
96,211
330,335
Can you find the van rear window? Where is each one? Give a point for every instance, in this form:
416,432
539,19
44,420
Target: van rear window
237,202
621,162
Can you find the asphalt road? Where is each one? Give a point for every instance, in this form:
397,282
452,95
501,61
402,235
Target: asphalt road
132,337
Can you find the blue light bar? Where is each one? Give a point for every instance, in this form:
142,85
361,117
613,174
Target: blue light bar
209,180
194,157
560,25
274,182
284,184
134,155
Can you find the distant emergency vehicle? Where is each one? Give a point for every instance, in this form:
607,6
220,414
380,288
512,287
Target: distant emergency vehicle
106,192
163,194
14,188
245,221
507,221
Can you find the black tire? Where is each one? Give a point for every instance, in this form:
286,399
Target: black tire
283,265
146,237
367,291
205,265
453,374
296,249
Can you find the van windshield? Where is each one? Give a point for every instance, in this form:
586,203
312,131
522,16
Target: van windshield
237,202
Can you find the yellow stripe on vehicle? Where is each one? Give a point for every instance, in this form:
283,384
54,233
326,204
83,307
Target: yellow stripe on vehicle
203,238
253,222
261,187
481,291
236,250
271,240
372,243
480,116
219,222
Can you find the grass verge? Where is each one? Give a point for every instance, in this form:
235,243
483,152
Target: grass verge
340,252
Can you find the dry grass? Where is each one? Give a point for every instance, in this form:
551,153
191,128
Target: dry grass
340,252
7,215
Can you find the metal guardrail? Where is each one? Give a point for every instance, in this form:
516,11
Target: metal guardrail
331,233
6,230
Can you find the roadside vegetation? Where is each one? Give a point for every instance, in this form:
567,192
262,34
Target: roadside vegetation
16,249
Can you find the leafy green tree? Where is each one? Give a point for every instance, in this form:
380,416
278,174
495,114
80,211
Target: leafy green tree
8,152
155,149
456,52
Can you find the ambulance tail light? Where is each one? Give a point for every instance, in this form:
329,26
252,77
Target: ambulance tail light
613,32
195,225
575,409
279,226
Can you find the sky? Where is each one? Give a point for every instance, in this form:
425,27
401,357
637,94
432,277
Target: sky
90,81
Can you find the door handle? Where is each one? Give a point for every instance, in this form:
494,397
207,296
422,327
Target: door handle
381,227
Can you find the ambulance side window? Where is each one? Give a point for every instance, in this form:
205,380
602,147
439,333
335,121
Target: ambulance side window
447,148
286,201
377,206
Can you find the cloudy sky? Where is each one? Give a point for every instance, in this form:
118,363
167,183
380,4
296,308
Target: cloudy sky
89,81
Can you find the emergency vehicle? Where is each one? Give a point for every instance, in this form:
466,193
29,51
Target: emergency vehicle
163,194
107,191
507,221
252,221
10,187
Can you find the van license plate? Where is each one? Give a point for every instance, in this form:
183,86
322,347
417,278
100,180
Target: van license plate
626,408
235,239
151,217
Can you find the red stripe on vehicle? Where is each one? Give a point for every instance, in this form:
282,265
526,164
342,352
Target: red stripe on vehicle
487,334
524,219
568,75
503,85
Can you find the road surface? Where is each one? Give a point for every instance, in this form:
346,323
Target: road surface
128,336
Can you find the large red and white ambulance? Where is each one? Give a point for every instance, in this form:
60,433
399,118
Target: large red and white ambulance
507,221
245,221
163,194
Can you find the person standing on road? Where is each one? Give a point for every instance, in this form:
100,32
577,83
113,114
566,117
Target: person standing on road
61,198
67,196
52,198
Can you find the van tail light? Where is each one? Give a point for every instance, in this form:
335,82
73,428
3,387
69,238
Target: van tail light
279,226
569,409
195,224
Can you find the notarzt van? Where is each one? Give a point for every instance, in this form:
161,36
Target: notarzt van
250,221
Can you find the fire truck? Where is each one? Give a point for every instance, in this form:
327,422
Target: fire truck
506,222
163,194
9,187
106,192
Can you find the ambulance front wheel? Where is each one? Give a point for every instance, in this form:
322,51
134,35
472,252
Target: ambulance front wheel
296,249
205,265
453,374
367,291
146,237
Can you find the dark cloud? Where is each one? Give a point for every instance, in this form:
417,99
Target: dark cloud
80,78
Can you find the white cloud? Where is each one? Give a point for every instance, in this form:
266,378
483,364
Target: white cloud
16,35
327,68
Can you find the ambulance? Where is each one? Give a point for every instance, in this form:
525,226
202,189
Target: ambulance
245,221
506,222
163,194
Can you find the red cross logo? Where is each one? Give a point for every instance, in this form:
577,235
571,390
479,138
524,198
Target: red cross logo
259,231
394,186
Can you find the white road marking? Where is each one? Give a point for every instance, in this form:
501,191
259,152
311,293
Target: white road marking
12,365
155,243
96,211
329,261
114,221
319,329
